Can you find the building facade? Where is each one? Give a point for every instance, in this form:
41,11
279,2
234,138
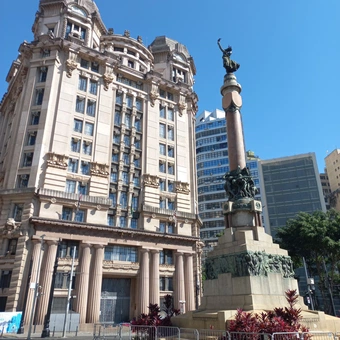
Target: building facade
326,190
98,157
290,185
333,172
212,165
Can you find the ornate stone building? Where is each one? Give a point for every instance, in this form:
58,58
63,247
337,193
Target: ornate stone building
97,142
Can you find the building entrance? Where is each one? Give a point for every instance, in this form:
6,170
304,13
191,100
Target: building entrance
115,300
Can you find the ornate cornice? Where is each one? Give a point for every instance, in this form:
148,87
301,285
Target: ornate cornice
57,161
99,169
182,187
151,181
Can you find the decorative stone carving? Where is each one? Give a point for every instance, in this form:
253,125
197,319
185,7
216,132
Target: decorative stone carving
117,265
182,187
181,107
249,263
12,228
71,65
127,33
139,39
108,79
57,161
239,184
100,170
151,181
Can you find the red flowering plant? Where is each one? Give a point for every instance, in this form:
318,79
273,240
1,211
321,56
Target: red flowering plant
285,319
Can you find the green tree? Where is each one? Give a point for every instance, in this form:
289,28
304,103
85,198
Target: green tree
316,237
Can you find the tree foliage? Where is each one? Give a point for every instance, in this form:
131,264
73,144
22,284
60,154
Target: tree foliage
286,319
316,237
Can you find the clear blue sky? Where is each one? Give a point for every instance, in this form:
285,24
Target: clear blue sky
289,53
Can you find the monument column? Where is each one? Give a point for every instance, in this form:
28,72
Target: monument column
144,283
34,273
179,296
93,307
45,281
189,283
154,273
82,282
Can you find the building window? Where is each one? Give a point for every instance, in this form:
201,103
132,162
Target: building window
170,133
113,198
137,162
162,203
31,138
42,74
89,127
122,221
125,177
113,177
127,140
121,253
115,157
39,96
84,63
66,248
80,104
94,67
162,130
171,186
82,84
23,181
171,151
136,181
170,114
162,111
28,158
171,169
162,167
138,125
45,53
138,144
139,104
116,137
5,280
162,185
119,98
118,118
128,121
166,256
165,227
79,215
91,107
82,188
129,101
171,205
131,64
78,125
17,212
110,220
85,168
123,200
75,144
70,186
162,149
73,165
12,246
165,284
93,87
75,30
126,158
87,148
134,223
35,117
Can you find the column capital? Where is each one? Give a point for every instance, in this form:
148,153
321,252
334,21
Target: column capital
144,250
98,246
85,245
52,242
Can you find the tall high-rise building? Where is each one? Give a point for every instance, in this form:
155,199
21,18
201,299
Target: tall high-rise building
326,190
290,185
97,148
333,172
212,165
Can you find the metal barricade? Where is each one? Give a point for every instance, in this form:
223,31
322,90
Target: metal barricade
143,332
168,333
317,335
125,331
212,334
189,334
286,336
249,336
106,330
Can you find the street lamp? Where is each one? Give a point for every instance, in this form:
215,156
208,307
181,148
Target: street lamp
36,286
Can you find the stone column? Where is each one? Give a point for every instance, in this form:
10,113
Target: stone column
154,277
189,283
231,104
45,281
82,282
144,282
93,306
179,283
36,244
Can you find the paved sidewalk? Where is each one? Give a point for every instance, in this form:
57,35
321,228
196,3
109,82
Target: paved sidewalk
57,335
